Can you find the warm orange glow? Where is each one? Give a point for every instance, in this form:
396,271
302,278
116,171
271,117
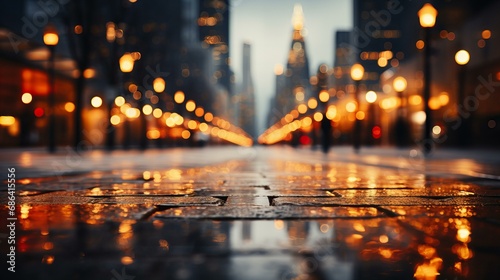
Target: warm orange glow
147,109
302,108
96,102
192,124
26,98
119,101
179,97
399,84
360,115
324,96
312,103
444,98
50,36
7,120
115,120
486,34
382,62
89,73
427,16
318,116
199,112
153,134
462,57
69,107
434,103
186,134
415,100
203,127
126,63
371,96
209,117
420,44
159,84
331,113
190,106
357,72
350,106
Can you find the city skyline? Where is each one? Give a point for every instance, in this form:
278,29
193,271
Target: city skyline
248,21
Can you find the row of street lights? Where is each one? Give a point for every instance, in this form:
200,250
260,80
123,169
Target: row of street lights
427,17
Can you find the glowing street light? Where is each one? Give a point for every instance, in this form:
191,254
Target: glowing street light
357,72
159,84
462,57
126,63
427,17
371,97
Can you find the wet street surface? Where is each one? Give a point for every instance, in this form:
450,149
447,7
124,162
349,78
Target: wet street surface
254,213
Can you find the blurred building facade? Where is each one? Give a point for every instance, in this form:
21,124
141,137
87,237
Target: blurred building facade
185,42
387,40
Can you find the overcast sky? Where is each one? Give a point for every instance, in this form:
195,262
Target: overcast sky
267,26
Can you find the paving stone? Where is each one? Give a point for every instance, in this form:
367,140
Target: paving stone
259,212
247,201
163,201
380,201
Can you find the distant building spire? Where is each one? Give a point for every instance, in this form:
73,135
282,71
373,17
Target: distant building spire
298,17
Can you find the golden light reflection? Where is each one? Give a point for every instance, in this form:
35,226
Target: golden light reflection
383,239
428,270
126,260
359,227
25,210
48,259
386,253
279,224
463,235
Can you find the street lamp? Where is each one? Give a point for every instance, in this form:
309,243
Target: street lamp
401,129
357,73
462,57
51,38
427,16
126,63
371,97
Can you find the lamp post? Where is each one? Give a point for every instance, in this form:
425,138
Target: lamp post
371,97
462,57
427,17
51,38
357,73
401,129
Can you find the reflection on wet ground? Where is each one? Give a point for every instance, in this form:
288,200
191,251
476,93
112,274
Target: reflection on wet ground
77,242
259,218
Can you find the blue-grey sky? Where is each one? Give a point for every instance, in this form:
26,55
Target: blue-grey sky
267,26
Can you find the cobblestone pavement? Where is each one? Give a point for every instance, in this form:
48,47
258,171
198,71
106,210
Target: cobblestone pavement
254,213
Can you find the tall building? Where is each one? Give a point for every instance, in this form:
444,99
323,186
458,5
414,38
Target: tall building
296,87
245,96
213,24
343,59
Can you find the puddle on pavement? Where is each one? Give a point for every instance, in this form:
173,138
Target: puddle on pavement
57,242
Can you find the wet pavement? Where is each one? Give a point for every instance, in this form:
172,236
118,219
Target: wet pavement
254,213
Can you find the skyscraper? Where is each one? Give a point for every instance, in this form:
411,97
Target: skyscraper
246,97
296,87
